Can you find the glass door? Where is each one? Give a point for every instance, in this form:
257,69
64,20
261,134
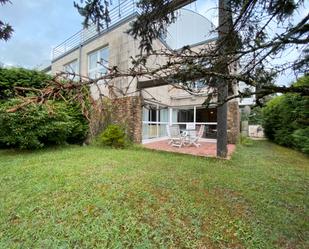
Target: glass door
155,120
195,117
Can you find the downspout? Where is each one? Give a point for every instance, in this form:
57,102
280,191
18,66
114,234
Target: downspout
80,59
80,52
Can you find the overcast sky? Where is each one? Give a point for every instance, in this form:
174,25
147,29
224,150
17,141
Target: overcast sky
41,24
38,25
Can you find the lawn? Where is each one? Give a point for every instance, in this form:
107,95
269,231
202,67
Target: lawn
88,197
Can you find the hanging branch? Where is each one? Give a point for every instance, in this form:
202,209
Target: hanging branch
179,67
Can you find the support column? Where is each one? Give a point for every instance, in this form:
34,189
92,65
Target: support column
157,119
233,122
170,116
194,115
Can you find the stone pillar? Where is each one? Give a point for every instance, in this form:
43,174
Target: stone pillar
245,128
233,122
136,120
127,112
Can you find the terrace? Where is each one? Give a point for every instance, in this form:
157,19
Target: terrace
119,14
125,11
207,148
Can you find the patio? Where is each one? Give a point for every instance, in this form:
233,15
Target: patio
207,149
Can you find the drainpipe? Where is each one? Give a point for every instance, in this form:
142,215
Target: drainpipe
80,52
80,59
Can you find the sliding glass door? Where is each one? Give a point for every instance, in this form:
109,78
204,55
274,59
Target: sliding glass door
157,117
195,117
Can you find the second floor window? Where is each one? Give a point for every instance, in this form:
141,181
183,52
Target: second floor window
72,68
197,85
98,63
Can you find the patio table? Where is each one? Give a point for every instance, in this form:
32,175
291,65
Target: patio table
187,133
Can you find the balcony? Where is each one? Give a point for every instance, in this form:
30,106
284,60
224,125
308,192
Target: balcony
119,14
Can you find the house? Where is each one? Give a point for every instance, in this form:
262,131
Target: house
248,101
146,112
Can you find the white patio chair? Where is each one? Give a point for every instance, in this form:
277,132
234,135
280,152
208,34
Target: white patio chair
193,136
175,137
190,126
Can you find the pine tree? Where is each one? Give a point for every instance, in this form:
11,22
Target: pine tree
6,29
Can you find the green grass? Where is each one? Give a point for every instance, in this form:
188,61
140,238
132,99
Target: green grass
88,197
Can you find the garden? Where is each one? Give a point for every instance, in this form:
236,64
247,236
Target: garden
56,193
94,197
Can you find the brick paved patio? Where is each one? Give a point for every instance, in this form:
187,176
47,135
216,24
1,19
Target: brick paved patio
207,149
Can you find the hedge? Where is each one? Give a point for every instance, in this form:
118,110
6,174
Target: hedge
36,126
286,119
11,77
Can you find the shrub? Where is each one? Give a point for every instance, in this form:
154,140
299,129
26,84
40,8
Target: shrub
114,136
255,117
9,78
301,139
36,126
246,141
286,119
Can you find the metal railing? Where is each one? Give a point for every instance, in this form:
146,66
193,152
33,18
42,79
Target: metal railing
119,13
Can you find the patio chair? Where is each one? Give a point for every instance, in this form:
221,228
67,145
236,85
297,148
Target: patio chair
193,137
175,137
190,126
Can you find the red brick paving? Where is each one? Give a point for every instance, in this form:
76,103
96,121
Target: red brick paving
206,149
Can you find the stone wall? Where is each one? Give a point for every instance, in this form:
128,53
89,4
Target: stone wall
233,121
127,112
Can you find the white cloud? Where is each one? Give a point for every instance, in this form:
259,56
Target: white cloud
38,25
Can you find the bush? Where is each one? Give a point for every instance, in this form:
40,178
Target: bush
11,77
36,126
255,117
114,136
301,139
246,141
286,119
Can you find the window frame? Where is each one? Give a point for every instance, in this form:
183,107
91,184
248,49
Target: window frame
99,69
68,66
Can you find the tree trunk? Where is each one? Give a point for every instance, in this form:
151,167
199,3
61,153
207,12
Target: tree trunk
225,22
222,120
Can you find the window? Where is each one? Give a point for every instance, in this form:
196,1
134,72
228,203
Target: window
98,62
206,115
185,116
197,85
153,115
72,68
150,114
